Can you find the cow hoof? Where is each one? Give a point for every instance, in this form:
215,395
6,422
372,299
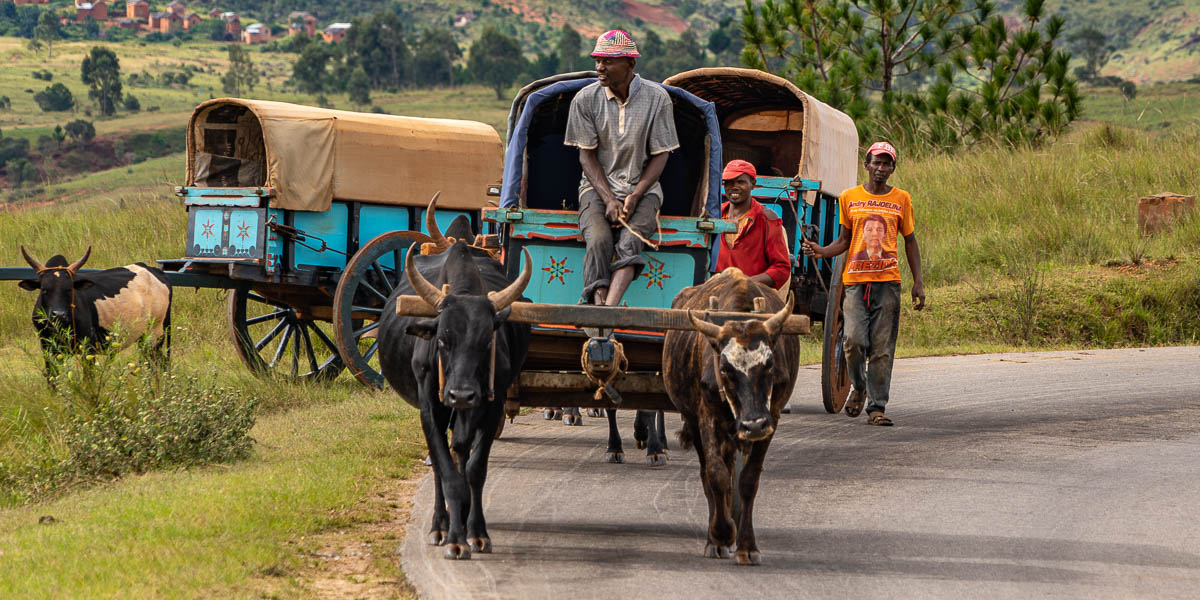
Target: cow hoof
428,461
615,458
457,552
657,460
437,538
711,551
481,545
749,558
595,413
641,444
574,420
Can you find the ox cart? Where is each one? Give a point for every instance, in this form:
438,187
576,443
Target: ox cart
767,121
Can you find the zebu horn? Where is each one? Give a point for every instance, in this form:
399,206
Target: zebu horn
709,329
37,266
503,298
431,225
776,321
424,289
79,263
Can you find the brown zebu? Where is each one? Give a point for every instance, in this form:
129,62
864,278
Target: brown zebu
746,372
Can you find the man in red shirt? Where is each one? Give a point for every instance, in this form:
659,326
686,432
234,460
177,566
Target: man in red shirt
758,247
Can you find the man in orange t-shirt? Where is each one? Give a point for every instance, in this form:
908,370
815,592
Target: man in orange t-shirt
872,215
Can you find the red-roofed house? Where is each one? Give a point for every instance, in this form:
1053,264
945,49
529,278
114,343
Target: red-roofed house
336,32
177,7
20,2
256,34
138,10
233,25
190,20
97,10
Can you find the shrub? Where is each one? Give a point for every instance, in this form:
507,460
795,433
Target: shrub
131,103
55,98
5,103
81,131
43,75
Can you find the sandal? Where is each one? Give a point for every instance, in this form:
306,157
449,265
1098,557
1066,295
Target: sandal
855,402
876,418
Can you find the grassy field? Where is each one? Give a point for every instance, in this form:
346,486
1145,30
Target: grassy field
1157,107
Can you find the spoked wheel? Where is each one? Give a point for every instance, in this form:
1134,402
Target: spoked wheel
835,376
271,338
365,286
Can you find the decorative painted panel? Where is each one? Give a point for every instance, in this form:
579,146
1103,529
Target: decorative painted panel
558,276
232,233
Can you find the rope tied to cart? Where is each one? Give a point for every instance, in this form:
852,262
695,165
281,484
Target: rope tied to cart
603,382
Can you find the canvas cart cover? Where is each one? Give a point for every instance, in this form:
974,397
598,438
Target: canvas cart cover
313,155
532,95
829,146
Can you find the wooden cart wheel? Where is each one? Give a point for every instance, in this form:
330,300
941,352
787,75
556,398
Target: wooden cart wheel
363,289
835,376
272,339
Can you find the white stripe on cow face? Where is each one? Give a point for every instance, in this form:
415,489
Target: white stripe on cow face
742,359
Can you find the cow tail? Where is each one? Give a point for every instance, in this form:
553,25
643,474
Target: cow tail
166,352
685,438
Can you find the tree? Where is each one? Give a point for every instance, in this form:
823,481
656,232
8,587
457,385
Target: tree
310,73
433,62
131,103
47,30
12,149
496,60
1093,45
570,50
920,72
59,135
5,103
80,131
56,97
102,71
241,76
376,43
358,87
22,171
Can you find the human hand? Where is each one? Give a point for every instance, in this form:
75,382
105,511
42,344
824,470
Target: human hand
918,295
612,210
631,202
811,249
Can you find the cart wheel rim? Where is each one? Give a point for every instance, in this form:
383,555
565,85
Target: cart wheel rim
835,376
273,339
363,289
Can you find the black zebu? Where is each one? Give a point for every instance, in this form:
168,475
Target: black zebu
441,366
78,312
729,383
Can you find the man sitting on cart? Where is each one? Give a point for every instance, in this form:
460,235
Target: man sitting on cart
757,247
624,129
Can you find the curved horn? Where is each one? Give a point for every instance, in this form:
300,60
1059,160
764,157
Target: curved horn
709,329
424,289
776,321
431,225
503,298
79,263
37,266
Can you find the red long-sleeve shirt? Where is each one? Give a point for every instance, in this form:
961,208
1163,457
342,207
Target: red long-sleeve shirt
759,246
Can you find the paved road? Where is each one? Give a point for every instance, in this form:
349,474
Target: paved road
1059,475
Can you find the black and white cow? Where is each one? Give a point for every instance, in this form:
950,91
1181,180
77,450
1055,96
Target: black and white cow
78,312
456,368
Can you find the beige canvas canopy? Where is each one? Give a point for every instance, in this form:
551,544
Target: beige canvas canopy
313,155
767,120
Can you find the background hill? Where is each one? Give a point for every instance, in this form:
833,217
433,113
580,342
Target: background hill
1151,40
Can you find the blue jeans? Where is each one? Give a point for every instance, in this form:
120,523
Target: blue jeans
872,319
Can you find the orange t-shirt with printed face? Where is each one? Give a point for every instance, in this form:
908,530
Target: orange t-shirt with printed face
874,222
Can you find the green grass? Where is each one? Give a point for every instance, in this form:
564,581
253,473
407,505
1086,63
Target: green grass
219,531
1166,106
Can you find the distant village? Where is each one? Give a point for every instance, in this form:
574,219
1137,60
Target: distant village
175,17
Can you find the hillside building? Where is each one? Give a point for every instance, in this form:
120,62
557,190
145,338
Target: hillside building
301,21
138,10
336,32
20,2
97,10
177,7
233,26
191,20
166,22
256,34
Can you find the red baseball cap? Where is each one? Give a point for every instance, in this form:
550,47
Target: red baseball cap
737,167
882,148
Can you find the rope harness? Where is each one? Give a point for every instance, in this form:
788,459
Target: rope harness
603,382
721,386
657,229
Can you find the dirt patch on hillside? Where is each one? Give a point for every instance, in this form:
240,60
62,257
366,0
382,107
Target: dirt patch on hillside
655,14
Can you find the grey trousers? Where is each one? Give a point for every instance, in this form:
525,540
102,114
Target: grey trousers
609,249
872,315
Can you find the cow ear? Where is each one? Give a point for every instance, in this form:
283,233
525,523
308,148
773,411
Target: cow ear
29,284
423,328
83,284
502,316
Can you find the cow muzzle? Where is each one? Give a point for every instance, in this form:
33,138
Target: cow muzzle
755,429
460,398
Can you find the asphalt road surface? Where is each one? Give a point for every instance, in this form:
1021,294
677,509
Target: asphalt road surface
1070,474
